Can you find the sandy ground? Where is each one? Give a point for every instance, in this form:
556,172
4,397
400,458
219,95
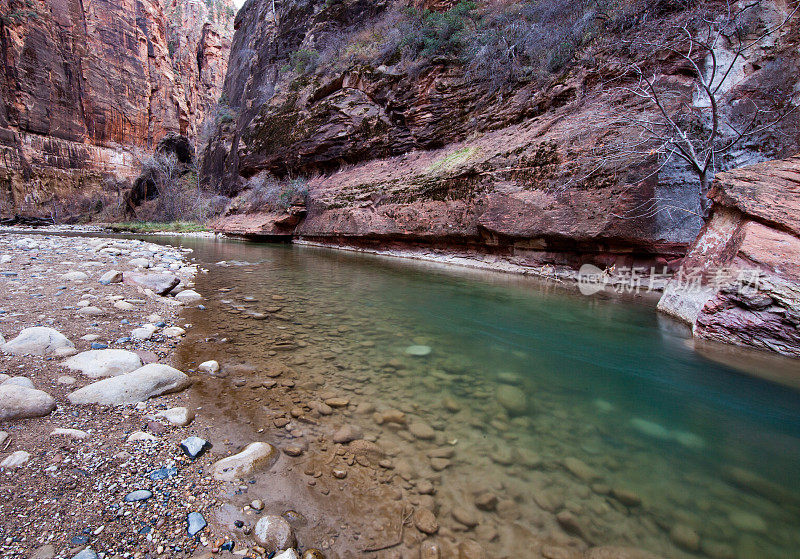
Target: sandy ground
70,493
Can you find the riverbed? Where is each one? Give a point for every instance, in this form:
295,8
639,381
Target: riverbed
522,414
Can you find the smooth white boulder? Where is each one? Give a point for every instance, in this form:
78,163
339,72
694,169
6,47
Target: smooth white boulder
257,455
19,381
21,402
69,433
143,383
137,436
173,331
144,332
89,311
99,363
111,276
74,275
189,296
139,262
38,340
211,367
179,416
16,459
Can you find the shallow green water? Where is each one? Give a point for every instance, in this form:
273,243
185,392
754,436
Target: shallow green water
605,381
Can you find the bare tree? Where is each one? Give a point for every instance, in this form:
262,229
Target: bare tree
695,124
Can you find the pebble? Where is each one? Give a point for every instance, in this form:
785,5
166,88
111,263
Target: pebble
141,436
138,495
257,504
337,402
87,553
257,455
194,523
179,416
425,521
162,473
511,398
293,450
486,501
209,367
194,446
71,433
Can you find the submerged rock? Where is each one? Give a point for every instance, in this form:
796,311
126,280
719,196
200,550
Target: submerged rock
425,521
418,350
651,429
511,398
274,533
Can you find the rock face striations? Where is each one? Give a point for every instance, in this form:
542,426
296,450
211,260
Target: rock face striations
408,127
84,85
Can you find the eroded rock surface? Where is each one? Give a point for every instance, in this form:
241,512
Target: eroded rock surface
740,282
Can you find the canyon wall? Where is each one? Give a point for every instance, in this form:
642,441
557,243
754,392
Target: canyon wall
740,281
89,87
484,154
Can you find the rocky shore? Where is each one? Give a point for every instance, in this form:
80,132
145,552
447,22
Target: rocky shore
99,454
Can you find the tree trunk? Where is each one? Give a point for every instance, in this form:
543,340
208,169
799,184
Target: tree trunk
705,203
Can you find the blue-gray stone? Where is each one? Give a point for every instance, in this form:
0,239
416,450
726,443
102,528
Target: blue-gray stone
163,473
193,446
195,522
138,495
98,345
87,553
80,539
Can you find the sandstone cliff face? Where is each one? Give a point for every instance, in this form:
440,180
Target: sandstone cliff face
740,281
85,84
430,153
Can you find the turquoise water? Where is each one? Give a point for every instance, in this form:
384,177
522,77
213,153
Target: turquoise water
703,448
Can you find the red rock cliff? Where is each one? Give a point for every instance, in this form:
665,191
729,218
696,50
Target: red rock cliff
418,126
85,84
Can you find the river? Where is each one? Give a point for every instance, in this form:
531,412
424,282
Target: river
522,413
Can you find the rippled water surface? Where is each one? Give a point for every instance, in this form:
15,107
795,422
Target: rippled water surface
571,416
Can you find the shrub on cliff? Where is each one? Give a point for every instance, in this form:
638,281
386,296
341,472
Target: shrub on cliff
267,193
